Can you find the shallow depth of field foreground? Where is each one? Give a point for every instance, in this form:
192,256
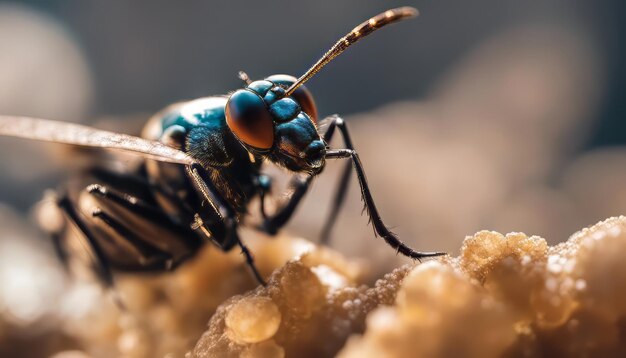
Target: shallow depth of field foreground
503,296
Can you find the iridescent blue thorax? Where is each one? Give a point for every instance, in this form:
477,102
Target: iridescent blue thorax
199,128
230,136
195,112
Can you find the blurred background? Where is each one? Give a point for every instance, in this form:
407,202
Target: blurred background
491,114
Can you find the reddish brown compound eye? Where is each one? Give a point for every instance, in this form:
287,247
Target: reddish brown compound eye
300,95
248,118
305,100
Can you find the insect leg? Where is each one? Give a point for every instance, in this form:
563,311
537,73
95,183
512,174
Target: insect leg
148,254
263,185
340,194
218,217
300,185
59,250
137,206
246,252
379,227
101,264
142,235
138,183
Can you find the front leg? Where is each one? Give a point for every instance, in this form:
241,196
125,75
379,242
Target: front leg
300,184
272,223
217,219
379,227
334,122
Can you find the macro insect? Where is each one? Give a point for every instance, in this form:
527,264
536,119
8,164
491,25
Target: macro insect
201,167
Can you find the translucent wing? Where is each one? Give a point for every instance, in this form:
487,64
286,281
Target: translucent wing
76,134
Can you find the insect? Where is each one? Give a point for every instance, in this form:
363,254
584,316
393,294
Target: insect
201,167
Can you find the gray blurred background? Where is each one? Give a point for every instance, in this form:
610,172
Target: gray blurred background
490,114
139,56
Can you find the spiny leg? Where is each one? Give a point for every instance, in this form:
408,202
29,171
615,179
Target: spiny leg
219,213
379,227
102,267
340,194
232,230
250,261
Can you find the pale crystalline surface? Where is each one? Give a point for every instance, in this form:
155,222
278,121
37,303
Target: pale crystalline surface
166,314
314,318
509,296
503,296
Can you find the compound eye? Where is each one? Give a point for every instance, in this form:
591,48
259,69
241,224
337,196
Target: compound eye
305,100
300,95
249,119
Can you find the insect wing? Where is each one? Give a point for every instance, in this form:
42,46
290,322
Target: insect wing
76,134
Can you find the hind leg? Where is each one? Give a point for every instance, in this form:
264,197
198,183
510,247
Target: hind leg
98,258
119,224
100,262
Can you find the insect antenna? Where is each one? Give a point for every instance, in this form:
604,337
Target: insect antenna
244,77
367,27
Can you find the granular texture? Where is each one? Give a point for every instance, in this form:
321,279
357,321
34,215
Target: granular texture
509,296
503,296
